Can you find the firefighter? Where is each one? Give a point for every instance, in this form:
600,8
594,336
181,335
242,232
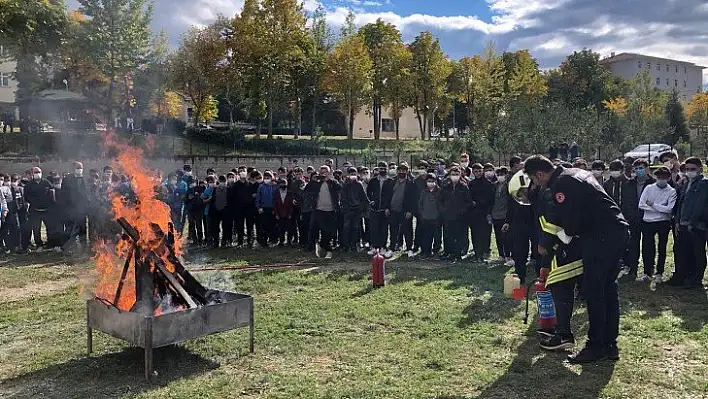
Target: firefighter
585,210
561,269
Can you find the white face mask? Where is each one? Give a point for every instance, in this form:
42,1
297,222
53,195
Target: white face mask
353,178
661,183
615,173
692,174
259,181
489,175
243,175
464,165
212,185
455,178
57,186
188,174
431,184
232,180
501,178
78,172
366,176
37,176
422,172
392,173
267,181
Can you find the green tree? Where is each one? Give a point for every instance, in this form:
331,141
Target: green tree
322,39
381,39
525,80
675,120
430,70
398,86
194,67
117,40
348,78
581,81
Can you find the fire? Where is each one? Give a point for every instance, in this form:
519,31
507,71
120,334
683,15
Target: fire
142,211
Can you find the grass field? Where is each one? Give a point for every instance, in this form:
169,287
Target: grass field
435,331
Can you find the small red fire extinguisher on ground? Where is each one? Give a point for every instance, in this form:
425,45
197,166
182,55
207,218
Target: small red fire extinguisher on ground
378,270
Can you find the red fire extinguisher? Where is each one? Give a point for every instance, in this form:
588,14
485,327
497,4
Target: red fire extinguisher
546,308
378,270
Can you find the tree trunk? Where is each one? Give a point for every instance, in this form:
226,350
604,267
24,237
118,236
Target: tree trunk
424,128
375,115
420,124
397,123
314,115
269,105
299,117
348,121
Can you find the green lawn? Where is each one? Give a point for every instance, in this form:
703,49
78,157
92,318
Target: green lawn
435,331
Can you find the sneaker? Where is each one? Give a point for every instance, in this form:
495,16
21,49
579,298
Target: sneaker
545,333
328,255
318,250
658,279
411,254
388,254
510,263
586,355
643,278
558,343
371,252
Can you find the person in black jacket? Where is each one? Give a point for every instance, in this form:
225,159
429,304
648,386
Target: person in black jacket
354,201
297,186
631,192
76,195
39,195
614,184
455,201
404,203
244,209
327,191
482,194
379,191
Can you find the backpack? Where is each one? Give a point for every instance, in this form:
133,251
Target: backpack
220,197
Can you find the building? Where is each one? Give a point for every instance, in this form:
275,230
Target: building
8,87
667,74
408,124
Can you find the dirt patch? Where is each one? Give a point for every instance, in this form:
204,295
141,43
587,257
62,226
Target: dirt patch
37,289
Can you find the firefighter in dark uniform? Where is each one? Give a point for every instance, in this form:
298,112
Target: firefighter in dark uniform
585,210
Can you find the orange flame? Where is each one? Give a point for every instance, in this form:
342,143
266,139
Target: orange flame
141,214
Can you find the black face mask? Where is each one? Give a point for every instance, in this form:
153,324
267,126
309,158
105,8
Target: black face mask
402,175
383,173
320,178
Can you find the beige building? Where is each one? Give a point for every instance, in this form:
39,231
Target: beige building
408,125
8,86
667,74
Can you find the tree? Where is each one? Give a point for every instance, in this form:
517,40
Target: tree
321,37
117,41
430,70
676,120
581,81
525,80
208,110
397,86
193,68
348,78
165,104
697,112
381,39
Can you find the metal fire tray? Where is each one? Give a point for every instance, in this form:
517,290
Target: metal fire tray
149,332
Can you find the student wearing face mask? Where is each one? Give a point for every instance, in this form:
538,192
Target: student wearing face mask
614,184
404,203
455,201
174,197
76,192
265,203
598,168
464,165
480,220
324,223
429,229
284,210
657,202
690,221
297,186
420,181
5,198
379,191
629,204
16,207
501,215
243,208
208,201
56,216
194,209
353,203
38,193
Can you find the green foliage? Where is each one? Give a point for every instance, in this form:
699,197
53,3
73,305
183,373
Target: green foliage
429,70
675,120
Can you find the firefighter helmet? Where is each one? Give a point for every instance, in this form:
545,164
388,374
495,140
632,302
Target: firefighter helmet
519,187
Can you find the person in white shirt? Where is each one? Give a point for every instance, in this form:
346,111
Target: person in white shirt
657,202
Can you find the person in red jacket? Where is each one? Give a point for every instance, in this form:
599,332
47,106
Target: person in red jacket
284,208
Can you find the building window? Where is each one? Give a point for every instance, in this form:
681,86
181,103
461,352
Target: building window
675,82
685,70
387,125
648,65
676,68
667,82
658,67
658,81
4,79
667,67
639,64
684,83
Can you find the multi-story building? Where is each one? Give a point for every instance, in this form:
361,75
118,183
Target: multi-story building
8,86
667,74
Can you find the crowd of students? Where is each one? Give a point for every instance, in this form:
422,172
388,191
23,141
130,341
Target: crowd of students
430,212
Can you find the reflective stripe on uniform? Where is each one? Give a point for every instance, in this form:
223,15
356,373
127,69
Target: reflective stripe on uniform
548,227
565,272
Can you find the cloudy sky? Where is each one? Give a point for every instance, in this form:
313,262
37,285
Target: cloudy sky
551,29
